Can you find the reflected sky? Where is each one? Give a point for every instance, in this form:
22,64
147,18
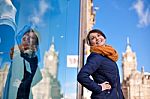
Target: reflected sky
58,19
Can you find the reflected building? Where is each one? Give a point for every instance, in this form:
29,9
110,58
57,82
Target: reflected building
49,86
3,76
136,84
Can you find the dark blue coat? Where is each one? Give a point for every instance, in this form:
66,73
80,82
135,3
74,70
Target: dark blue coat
101,69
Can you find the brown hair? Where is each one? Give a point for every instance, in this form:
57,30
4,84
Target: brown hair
94,31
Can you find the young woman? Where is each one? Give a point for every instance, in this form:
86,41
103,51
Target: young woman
23,72
28,48
101,65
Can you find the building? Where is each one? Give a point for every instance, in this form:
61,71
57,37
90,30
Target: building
136,84
49,86
87,20
3,76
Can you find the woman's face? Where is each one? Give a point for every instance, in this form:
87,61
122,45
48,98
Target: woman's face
96,39
29,41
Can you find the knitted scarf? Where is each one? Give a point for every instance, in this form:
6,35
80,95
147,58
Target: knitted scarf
106,50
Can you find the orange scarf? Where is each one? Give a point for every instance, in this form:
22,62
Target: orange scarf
105,50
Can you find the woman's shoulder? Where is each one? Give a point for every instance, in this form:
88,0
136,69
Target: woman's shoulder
95,56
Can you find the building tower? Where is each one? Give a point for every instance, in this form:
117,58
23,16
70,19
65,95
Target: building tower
51,60
49,86
129,63
3,77
135,84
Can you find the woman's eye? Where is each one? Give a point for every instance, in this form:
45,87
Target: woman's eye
92,38
98,35
24,39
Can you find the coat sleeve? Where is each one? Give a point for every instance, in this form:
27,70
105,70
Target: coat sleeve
33,62
93,62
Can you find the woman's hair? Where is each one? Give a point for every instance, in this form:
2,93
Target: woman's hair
94,31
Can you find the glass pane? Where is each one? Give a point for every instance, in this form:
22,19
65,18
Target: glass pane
44,34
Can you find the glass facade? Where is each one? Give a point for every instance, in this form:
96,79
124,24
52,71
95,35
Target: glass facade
56,24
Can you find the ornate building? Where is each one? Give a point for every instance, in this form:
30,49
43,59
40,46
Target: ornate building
3,76
136,84
48,87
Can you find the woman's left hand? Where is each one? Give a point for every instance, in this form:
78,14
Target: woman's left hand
105,86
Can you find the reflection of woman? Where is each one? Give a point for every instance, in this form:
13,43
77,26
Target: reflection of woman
23,72
28,48
101,65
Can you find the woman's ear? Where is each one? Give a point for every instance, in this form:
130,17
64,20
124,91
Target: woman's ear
88,42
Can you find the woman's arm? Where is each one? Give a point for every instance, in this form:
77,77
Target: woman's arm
83,77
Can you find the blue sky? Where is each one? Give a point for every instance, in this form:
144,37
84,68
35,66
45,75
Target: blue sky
121,19
58,19
118,19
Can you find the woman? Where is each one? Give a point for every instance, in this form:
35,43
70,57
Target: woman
28,48
101,65
24,71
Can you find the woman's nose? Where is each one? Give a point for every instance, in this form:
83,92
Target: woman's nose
96,38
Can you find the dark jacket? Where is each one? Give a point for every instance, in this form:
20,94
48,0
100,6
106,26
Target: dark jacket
24,88
101,69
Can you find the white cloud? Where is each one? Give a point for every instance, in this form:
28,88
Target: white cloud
35,19
43,6
142,12
7,9
37,16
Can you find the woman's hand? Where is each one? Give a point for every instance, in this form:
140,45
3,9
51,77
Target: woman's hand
105,86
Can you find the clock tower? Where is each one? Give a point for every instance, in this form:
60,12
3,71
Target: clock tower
129,63
51,60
